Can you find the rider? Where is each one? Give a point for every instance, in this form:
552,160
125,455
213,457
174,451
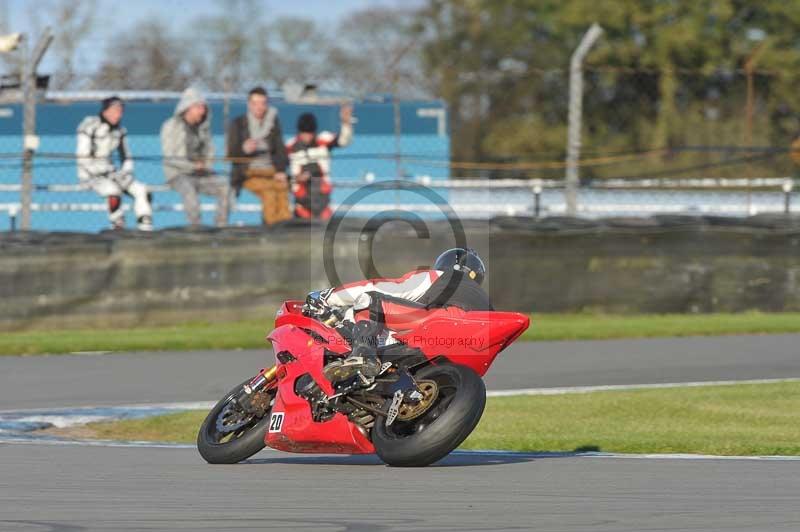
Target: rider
370,305
100,138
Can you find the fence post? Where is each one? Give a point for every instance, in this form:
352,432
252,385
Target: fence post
12,218
30,141
788,185
574,117
749,70
537,198
226,109
398,134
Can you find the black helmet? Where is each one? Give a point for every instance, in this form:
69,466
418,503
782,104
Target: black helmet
466,260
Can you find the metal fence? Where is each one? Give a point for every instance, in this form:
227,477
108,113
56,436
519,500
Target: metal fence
590,139
65,206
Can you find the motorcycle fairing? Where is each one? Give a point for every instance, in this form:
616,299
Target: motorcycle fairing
299,433
471,338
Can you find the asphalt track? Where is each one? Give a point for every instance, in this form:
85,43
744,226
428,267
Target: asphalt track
76,488
82,380
71,489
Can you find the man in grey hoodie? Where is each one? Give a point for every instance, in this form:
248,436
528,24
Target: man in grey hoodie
188,151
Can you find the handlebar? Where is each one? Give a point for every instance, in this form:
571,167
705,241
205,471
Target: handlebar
316,307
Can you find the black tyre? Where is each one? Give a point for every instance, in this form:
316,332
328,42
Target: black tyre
228,435
453,415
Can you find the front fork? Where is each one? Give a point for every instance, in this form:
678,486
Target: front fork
260,381
251,399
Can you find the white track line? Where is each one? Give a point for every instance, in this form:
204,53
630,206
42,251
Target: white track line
95,443
622,387
205,405
184,405
195,405
486,453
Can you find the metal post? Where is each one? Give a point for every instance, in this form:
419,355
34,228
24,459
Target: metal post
226,109
574,118
398,132
788,185
749,69
30,141
537,199
28,124
12,218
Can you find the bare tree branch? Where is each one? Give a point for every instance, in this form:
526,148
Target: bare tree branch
73,21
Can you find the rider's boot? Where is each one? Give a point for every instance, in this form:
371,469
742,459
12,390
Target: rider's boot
362,359
368,365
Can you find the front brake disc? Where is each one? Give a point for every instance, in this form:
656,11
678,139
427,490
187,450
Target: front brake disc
231,420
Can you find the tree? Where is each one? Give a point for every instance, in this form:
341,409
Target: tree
148,56
72,22
375,50
492,62
292,51
664,74
224,57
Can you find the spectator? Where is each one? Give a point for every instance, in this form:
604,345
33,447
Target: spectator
310,156
98,138
188,152
255,145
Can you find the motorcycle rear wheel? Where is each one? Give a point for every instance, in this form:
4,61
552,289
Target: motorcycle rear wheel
443,427
218,447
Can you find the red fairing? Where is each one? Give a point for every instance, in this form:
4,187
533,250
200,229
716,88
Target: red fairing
298,432
470,338
290,313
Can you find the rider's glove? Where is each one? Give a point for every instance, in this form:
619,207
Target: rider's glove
122,178
315,304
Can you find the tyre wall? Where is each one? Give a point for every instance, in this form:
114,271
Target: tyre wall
654,265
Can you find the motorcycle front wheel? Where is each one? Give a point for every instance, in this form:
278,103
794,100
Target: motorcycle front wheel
460,397
229,435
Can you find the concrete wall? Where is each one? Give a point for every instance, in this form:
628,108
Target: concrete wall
628,266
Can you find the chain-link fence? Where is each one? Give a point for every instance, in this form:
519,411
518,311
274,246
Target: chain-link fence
712,141
393,139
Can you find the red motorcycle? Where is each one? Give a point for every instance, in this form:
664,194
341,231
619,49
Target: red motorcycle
423,401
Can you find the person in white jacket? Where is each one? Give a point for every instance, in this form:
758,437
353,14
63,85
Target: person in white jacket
100,137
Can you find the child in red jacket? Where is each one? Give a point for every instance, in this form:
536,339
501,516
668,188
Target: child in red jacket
310,162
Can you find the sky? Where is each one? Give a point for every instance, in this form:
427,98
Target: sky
115,16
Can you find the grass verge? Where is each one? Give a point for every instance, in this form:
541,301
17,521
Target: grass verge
751,419
250,333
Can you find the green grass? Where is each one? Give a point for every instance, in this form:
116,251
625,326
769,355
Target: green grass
180,427
250,333
610,326
197,335
760,419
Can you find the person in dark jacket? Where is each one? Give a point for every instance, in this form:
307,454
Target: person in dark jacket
258,156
